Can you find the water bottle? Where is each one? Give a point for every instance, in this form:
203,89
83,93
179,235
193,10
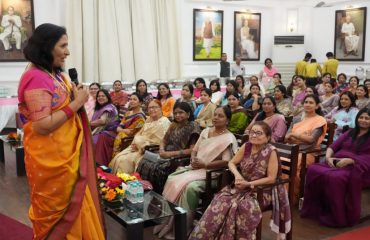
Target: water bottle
134,192
128,193
140,193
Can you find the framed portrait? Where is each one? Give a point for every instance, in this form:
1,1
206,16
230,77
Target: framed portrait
350,34
247,35
207,34
16,26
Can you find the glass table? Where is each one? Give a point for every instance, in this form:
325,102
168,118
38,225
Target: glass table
16,146
155,208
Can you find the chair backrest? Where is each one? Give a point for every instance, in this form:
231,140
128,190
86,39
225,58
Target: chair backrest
288,121
288,157
329,135
126,142
241,138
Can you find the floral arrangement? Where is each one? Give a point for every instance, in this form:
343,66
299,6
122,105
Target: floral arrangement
112,187
12,136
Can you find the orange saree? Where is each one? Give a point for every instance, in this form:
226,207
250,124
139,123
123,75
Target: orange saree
60,166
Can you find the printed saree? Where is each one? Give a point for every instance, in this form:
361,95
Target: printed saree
60,166
109,115
235,214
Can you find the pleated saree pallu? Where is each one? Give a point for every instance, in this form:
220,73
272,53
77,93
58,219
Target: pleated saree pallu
60,165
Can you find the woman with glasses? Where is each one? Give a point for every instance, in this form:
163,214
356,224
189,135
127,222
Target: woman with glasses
333,189
272,117
90,104
152,132
234,212
214,148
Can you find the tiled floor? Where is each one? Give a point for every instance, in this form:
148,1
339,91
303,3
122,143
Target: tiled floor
14,202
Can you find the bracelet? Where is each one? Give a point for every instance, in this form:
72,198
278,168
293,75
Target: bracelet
68,111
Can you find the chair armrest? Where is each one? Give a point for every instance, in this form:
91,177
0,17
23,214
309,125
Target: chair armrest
175,162
277,183
152,148
311,150
209,176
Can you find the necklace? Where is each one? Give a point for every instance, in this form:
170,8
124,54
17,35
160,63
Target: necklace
219,133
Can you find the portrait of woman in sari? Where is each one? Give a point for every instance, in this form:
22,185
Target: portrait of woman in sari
214,148
105,117
58,148
333,189
109,142
152,132
234,212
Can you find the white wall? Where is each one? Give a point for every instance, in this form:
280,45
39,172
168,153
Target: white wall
45,11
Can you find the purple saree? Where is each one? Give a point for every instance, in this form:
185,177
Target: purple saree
333,195
109,114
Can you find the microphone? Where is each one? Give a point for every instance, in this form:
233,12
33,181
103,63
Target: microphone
72,72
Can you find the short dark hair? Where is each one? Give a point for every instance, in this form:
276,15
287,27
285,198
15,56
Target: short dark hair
208,91
308,55
217,82
201,80
329,54
95,83
265,127
41,44
106,93
138,96
313,60
186,108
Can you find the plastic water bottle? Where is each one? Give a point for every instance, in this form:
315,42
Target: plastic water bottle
134,191
140,193
128,193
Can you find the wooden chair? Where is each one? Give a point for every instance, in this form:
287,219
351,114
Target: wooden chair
241,138
317,152
288,157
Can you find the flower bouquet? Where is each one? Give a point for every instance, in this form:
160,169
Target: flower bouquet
110,189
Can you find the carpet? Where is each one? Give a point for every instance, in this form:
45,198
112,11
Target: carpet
11,229
358,234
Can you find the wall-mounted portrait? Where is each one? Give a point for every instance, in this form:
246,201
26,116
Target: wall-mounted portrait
207,35
17,25
247,35
350,34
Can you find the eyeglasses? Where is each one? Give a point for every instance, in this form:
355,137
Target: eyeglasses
256,133
153,107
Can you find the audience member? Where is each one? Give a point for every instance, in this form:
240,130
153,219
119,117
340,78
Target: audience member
152,132
167,101
326,77
253,101
283,101
217,95
105,117
239,119
199,84
267,73
90,104
333,190
344,115
142,90
272,117
362,96
234,212
119,97
205,111
342,83
298,96
231,86
354,81
276,81
214,148
187,96
329,100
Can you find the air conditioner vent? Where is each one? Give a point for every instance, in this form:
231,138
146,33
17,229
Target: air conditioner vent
283,40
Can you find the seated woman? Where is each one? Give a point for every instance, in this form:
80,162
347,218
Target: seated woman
298,96
276,81
342,83
344,115
283,101
119,97
329,100
214,148
179,141
234,212
167,101
333,189
105,116
231,86
217,95
307,131
90,104
239,79
142,90
273,118
199,84
109,143
362,96
187,96
326,78
239,119
253,101
354,81
292,88
253,80
152,132
204,112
